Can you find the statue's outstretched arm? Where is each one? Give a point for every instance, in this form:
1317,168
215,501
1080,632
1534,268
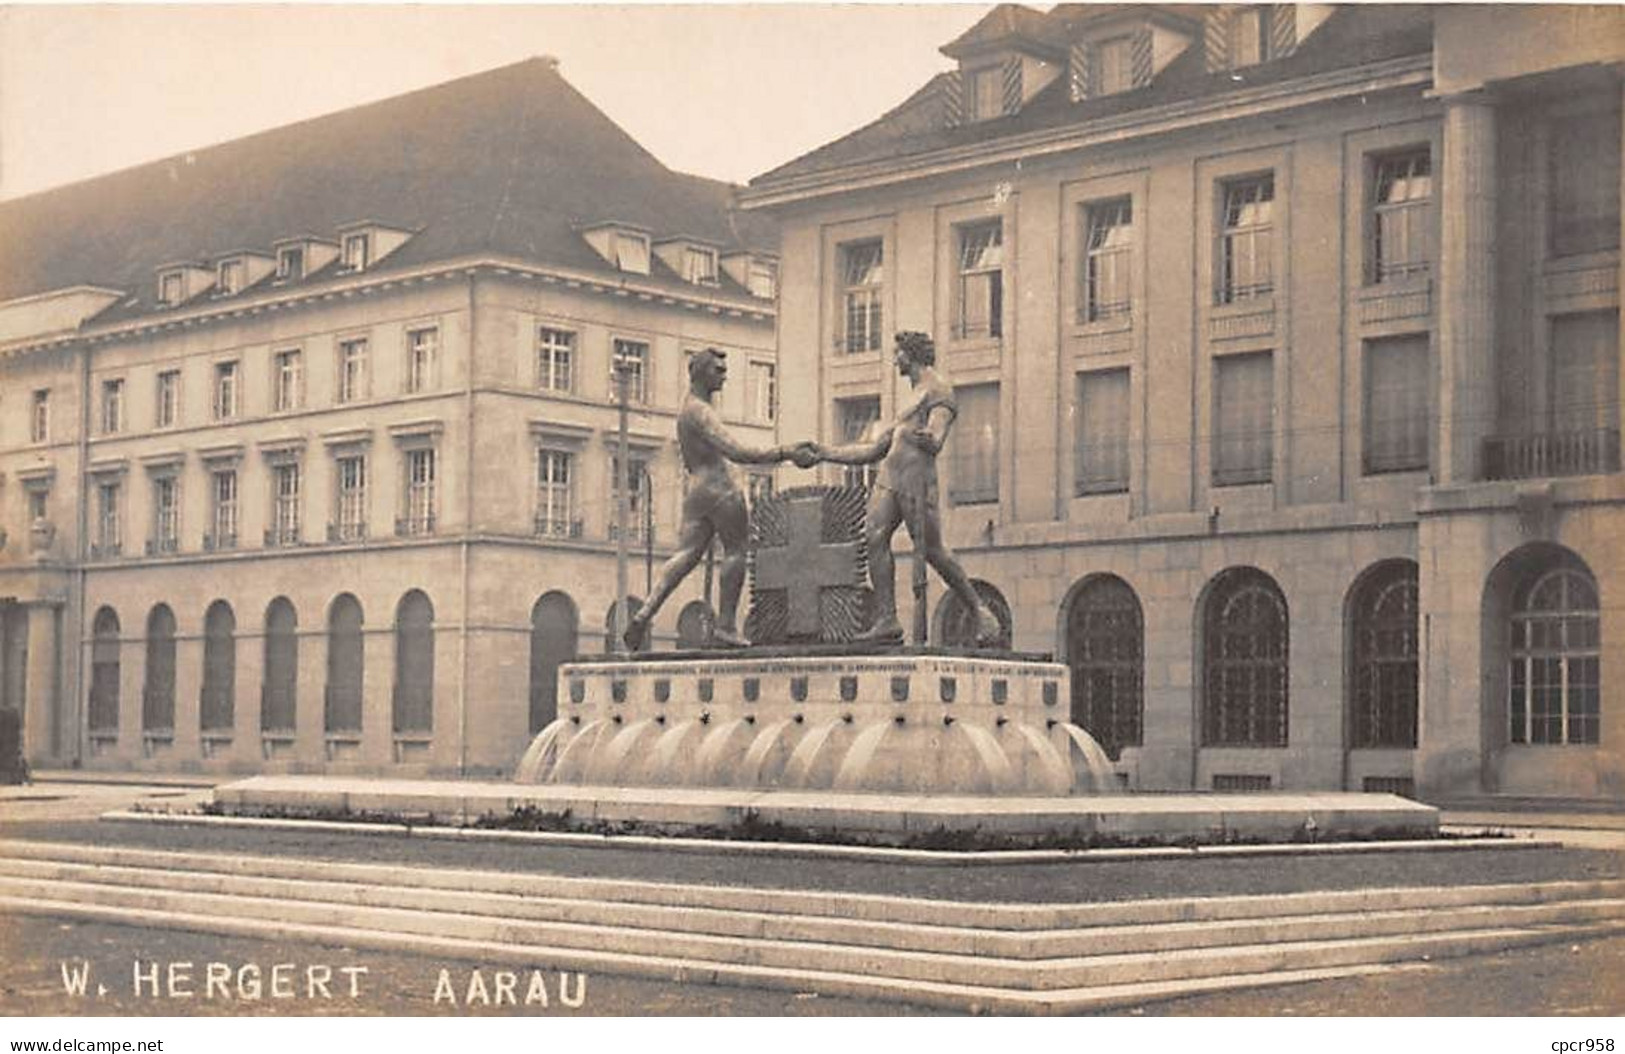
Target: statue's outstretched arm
732,449
861,453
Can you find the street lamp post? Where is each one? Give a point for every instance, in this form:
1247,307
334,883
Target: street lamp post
623,511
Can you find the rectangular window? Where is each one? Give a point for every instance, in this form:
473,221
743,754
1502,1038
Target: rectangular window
631,252
555,360
1401,216
979,292
864,279
699,265
112,406
854,419
973,454
1396,405
1583,202
168,411
1111,67
357,251
225,391
1585,373
39,504
109,528
637,506
1247,240
166,514
39,419
984,95
229,277
351,498
763,279
223,515
632,363
555,494
759,485
1243,419
285,487
288,384
290,263
352,370
171,288
422,347
1108,260
1101,462
1249,36
763,394
420,497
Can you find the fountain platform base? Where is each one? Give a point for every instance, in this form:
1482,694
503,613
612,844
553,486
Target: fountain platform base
882,819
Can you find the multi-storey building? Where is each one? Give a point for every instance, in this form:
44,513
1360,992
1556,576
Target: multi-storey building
1286,343
307,439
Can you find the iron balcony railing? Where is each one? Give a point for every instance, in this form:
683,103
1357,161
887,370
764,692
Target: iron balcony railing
556,527
411,526
1584,452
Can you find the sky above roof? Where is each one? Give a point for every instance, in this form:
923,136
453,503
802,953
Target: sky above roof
725,91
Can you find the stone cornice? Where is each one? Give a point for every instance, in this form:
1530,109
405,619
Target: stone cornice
1394,75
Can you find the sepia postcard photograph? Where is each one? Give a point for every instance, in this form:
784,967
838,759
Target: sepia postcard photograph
739,511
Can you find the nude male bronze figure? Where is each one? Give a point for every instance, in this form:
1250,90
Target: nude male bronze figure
715,506
905,490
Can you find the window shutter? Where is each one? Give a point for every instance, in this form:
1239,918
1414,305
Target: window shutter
1012,85
1140,58
1283,30
1216,37
1078,72
953,99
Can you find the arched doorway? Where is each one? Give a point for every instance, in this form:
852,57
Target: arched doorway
414,663
158,689
345,666
1105,647
104,674
694,624
280,689
956,627
1244,661
611,645
1384,669
553,633
218,703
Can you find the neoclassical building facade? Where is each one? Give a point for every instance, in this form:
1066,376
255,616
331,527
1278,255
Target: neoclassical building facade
1286,341
308,440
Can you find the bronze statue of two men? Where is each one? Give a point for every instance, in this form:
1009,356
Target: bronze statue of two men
905,491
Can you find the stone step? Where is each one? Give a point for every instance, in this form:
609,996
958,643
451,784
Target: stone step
1309,944
957,996
843,906
944,937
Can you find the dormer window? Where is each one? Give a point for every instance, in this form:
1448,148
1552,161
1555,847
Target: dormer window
763,279
1111,67
1249,37
700,265
984,93
357,250
632,252
171,288
229,278
290,263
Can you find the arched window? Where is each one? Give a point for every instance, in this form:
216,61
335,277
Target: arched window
1105,646
218,704
414,663
1384,685
104,671
1244,700
694,624
956,627
158,692
1555,676
279,691
552,641
342,712
611,645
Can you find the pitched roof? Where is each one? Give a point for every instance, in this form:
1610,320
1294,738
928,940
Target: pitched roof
512,162
1006,23
1354,35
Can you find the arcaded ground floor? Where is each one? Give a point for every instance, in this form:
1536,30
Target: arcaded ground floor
1473,648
